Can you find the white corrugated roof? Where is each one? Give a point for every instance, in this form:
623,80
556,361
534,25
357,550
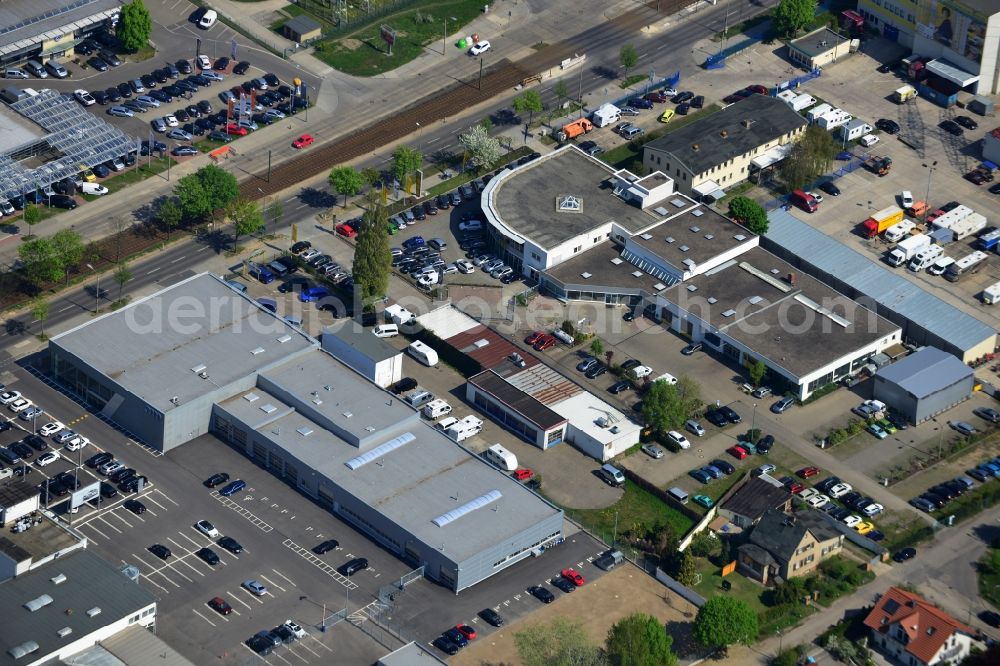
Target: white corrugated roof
447,322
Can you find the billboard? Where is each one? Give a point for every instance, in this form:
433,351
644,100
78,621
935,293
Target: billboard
954,26
85,494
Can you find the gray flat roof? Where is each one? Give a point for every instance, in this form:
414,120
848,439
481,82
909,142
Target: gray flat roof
138,646
782,324
887,288
926,372
302,24
525,199
15,129
698,233
604,272
338,398
817,42
411,485
40,541
90,582
38,17
733,131
363,340
153,346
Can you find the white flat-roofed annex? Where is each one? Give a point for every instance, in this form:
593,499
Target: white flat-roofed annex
159,347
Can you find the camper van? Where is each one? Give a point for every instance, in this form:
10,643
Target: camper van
501,457
940,265
925,258
423,353
436,408
446,423
465,428
667,377
606,114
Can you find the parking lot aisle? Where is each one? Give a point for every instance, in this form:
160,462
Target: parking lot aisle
196,612
152,571
272,583
289,580
230,595
246,513
319,564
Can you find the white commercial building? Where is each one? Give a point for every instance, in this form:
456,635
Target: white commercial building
356,346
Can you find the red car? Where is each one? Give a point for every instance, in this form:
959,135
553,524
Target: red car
466,631
236,130
737,452
572,576
808,472
523,474
658,97
346,230
545,342
757,88
534,337
303,141
795,488
219,604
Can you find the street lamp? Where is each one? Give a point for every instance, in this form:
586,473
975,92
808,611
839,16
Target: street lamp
97,289
444,39
931,168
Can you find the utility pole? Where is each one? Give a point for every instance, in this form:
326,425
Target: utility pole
481,73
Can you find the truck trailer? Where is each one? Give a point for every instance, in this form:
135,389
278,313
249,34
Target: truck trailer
989,240
907,249
882,220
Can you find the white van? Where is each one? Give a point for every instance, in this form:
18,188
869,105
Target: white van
612,475
436,408
208,20
386,331
941,265
93,188
667,377
399,315
423,353
679,495
501,457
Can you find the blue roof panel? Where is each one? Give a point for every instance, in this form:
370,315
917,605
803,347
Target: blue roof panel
926,372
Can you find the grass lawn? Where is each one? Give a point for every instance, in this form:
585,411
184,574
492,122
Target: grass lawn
138,174
637,510
632,80
989,576
363,53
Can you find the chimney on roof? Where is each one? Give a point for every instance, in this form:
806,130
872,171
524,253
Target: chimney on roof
747,123
723,134
694,147
791,278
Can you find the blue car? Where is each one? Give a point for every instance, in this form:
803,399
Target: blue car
700,475
715,472
260,273
416,241
313,294
233,487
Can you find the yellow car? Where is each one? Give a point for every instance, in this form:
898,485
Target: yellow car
667,115
864,527
87,174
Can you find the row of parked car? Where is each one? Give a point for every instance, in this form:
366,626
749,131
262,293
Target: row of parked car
264,641
937,497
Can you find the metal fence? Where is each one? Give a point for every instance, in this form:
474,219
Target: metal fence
345,15
651,85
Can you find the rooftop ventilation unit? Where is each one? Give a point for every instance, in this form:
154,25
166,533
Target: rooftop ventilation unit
585,275
58,578
692,288
380,451
468,507
669,239
695,229
64,632
317,401
305,431
659,286
284,338
678,203
268,408
754,300
689,263
38,603
94,612
740,237
258,350
775,271
198,369
709,236
729,313
712,300
251,397
479,344
616,260
660,210
646,236
683,248
347,415
697,212
370,428
23,649
327,387
637,273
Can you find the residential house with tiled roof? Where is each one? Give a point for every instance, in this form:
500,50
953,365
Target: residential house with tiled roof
784,546
910,630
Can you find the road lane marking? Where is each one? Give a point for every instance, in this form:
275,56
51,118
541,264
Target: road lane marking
153,271
178,259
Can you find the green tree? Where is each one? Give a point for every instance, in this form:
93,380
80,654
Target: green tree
629,58
790,16
704,544
135,26
811,156
486,123
406,161
687,572
561,91
483,150
246,217
529,102
192,199
370,176
41,260
220,186
345,180
749,213
32,214
169,214
640,640
372,259
789,592
725,621
40,311
790,656
121,276
596,347
69,248
662,408
757,370
689,393
561,643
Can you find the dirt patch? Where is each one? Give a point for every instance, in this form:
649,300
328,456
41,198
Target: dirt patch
597,606
351,44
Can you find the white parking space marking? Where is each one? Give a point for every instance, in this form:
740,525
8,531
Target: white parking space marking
166,497
238,508
247,648
290,581
252,596
236,598
278,655
291,651
272,583
105,536
319,564
150,499
203,617
154,571
319,643
196,544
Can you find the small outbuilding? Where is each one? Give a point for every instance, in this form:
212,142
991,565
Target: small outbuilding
302,29
357,347
924,384
818,49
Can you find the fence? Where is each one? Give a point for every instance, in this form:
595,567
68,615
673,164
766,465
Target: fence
669,82
346,15
677,588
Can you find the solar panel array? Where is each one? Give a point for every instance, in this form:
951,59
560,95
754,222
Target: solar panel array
79,135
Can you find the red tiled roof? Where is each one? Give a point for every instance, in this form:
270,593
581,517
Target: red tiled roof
927,626
494,354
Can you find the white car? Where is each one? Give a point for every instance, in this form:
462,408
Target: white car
669,92
84,97
873,509
76,443
208,529
819,199
818,501
50,428
679,439
840,490
852,521
296,630
465,266
869,140
310,254
20,405
9,397
808,493
204,62
170,120
906,198
641,371
479,48
254,586
64,436
766,468
47,458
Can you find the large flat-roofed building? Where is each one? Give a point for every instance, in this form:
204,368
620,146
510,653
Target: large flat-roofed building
198,357
157,366
924,384
44,29
715,152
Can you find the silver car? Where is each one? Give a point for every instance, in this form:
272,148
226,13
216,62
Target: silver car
120,112
652,450
694,427
178,134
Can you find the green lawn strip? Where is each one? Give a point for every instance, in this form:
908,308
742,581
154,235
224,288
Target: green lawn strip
138,174
989,576
362,52
631,81
637,510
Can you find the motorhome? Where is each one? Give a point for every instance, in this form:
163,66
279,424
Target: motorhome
423,353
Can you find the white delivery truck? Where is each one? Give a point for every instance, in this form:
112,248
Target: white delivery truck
606,114
423,353
907,248
501,457
925,258
398,315
899,231
940,265
991,294
436,408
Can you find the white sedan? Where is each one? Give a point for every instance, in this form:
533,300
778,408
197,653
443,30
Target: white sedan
479,48
47,458
818,501
873,509
50,428
852,521
170,120
20,405
208,529
76,443
465,266
806,493
9,397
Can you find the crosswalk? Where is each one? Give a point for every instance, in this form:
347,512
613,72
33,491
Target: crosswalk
308,556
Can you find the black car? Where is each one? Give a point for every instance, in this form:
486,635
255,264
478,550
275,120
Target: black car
730,414
62,201
725,467
828,483
352,567
619,387
22,450
934,499
135,506
221,64
290,285
904,554
641,103
631,363
21,470
121,474
443,202
260,645
850,498
110,58
325,547
596,371
491,617
991,618
148,81
830,188
36,442
542,594
995,189
563,584
262,119
193,130
840,513
682,97
716,418
206,124
125,90
271,79
216,480
951,127
204,106
182,115
697,102
683,108
284,92
173,90
160,75
403,385
445,645
208,555
160,551
219,136
113,94
987,413
193,111
875,535
230,544
158,146
419,212
97,64
967,122
161,96
108,491
887,126
101,97
242,67
765,444
183,66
